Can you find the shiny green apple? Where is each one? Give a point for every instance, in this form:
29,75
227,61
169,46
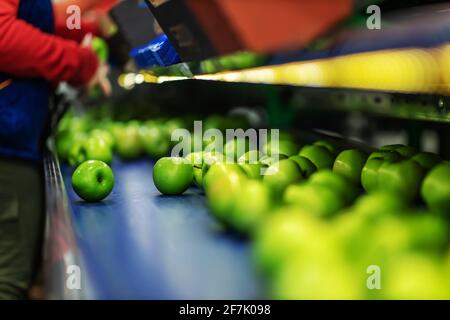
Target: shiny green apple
306,166
236,147
105,135
281,174
321,157
316,278
64,141
339,184
369,174
350,163
415,277
327,145
93,180
317,199
91,149
172,176
284,147
286,232
379,203
223,182
402,178
253,203
154,141
435,189
128,142
196,160
270,160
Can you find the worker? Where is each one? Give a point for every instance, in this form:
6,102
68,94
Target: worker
33,61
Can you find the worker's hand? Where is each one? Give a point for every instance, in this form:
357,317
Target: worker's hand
100,78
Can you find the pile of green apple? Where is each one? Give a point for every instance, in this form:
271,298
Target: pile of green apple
410,175
322,219
80,139
325,217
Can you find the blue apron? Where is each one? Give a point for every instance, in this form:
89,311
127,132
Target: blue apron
24,103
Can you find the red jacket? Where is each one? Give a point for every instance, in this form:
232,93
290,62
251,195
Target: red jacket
27,52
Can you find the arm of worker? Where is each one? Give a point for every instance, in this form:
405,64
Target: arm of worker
25,51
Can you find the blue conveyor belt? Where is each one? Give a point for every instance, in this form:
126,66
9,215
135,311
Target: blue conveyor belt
138,244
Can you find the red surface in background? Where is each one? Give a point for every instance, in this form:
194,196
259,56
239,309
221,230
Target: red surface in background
267,25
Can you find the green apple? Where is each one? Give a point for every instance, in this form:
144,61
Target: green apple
379,203
76,154
236,147
252,156
218,170
172,176
403,178
64,140
415,277
128,142
369,174
252,170
435,189
306,166
426,159
253,203
105,135
316,278
314,198
350,163
196,160
284,147
429,233
285,232
78,124
337,183
223,182
98,148
209,159
154,140
206,142
281,174
64,123
249,163
386,155
327,145
320,156
93,180
91,149
270,160
403,150
353,232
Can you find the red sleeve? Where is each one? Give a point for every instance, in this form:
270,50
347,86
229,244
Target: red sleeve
25,51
